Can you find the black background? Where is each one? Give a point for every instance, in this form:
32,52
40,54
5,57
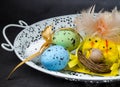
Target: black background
32,11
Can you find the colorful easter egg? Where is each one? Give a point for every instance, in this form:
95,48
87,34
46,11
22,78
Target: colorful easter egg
67,37
54,58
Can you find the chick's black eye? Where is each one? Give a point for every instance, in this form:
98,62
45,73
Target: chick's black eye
103,46
96,41
110,48
89,39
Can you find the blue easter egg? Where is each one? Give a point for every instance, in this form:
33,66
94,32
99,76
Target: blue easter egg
54,58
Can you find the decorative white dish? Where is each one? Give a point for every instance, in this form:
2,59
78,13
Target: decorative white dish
31,34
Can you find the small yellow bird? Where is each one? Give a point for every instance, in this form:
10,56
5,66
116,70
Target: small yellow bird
89,43
111,55
110,51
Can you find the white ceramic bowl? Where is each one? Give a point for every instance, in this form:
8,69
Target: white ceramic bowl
31,34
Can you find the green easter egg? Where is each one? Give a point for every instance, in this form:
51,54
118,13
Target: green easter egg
67,37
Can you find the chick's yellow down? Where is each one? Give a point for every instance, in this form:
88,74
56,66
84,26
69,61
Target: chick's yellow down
89,43
111,55
110,51
108,48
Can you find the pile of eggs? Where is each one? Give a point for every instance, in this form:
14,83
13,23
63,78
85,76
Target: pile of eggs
56,56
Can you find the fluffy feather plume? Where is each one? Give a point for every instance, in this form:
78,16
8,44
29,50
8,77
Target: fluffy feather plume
104,24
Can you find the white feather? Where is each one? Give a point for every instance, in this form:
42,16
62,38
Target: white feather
109,23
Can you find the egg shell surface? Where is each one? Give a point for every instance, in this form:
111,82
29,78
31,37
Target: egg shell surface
54,58
68,38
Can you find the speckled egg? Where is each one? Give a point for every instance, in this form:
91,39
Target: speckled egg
54,58
68,38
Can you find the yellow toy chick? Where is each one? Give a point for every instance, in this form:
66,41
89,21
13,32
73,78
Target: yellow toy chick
88,44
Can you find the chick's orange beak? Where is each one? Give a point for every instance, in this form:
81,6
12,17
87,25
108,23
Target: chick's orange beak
92,44
106,50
